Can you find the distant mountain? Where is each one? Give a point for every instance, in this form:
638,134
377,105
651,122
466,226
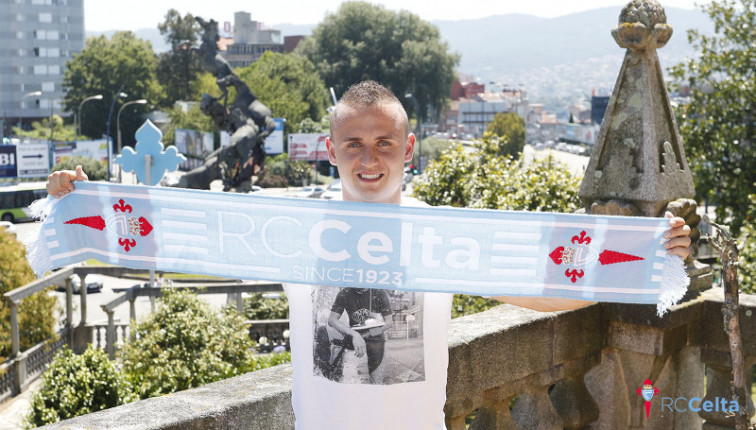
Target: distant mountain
556,60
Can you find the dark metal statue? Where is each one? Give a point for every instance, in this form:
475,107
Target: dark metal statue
247,119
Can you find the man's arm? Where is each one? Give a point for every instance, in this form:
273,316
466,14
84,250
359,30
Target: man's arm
678,243
334,320
61,182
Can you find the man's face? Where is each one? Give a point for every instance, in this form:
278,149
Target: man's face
369,146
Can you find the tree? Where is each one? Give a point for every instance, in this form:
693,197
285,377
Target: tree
36,314
719,122
192,119
49,128
107,66
511,127
76,385
289,85
96,171
365,41
180,66
488,179
185,344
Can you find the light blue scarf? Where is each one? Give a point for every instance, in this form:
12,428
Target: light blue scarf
350,244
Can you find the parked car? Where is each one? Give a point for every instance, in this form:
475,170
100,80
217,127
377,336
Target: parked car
8,227
333,192
310,192
94,283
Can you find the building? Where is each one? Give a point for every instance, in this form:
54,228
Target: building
251,41
39,37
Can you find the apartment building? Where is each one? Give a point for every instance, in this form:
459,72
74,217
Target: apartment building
37,39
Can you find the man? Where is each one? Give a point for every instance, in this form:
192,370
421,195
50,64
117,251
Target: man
369,144
370,317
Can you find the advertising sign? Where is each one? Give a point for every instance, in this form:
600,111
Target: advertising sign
8,161
196,145
308,146
95,149
274,143
33,160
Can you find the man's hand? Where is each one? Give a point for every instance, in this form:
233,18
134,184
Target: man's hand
359,345
678,235
61,183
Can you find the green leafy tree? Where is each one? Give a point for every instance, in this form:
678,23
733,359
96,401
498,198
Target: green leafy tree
180,66
289,85
398,49
106,66
96,171
511,128
488,179
36,314
719,122
747,260
76,385
52,128
185,344
257,307
310,126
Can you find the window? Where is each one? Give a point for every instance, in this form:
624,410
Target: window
45,17
19,35
36,52
48,87
53,35
40,34
40,69
64,19
53,70
53,52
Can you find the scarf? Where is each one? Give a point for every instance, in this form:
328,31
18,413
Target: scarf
355,244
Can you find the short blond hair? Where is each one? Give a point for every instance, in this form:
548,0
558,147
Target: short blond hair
367,93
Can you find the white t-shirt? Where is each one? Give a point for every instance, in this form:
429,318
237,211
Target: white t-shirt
399,384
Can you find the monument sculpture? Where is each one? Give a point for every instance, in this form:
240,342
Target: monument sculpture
247,119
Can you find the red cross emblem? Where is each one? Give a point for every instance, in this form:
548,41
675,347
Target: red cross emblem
581,254
127,227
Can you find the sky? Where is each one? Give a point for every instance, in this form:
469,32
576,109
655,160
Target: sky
101,15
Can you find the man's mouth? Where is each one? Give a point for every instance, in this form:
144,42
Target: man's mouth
372,176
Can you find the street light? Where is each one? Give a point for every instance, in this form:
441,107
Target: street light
118,118
78,116
31,94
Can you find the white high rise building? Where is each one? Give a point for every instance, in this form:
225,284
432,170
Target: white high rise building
36,40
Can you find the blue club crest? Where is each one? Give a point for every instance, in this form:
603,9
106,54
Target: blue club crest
148,143
648,394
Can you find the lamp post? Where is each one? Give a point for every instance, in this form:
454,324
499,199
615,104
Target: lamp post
116,96
78,116
31,94
118,126
118,118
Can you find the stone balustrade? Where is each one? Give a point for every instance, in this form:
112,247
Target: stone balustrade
512,368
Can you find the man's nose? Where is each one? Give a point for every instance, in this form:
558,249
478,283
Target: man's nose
369,156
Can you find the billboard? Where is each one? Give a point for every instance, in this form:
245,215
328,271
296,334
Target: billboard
8,168
96,149
33,160
274,143
195,145
307,146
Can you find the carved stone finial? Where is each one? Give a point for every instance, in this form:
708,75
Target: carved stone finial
642,25
638,156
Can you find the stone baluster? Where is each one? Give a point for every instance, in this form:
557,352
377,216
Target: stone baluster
534,410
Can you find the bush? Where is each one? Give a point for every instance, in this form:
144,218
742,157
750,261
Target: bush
467,305
36,314
75,385
185,344
280,166
488,179
95,170
257,307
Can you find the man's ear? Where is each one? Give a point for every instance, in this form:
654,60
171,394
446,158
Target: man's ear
331,151
409,149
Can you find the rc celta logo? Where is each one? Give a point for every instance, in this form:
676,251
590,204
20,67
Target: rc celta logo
647,391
